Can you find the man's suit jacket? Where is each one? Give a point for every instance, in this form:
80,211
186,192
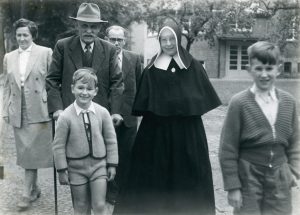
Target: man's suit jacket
67,58
131,69
34,86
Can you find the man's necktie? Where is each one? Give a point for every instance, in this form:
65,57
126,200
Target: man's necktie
87,125
87,58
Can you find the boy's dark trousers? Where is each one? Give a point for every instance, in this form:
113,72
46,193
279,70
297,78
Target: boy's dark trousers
126,136
265,190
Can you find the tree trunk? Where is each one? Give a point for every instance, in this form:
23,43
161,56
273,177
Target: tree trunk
189,44
1,38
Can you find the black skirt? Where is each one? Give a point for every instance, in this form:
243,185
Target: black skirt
170,169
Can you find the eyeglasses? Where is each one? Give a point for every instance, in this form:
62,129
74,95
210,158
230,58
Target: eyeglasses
112,39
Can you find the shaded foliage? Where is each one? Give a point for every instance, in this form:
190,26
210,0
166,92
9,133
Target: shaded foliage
209,19
200,19
52,16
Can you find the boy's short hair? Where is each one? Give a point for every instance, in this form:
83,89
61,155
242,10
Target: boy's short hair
265,52
87,75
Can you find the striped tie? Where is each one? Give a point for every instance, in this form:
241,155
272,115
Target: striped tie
87,58
87,124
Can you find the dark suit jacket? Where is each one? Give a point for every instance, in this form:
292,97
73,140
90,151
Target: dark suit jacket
131,69
67,58
34,86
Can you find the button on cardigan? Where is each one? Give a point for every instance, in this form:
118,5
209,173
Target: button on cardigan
247,134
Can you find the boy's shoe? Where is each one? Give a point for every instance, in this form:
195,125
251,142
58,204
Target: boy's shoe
35,194
24,203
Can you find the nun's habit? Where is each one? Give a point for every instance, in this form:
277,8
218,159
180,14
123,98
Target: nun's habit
170,167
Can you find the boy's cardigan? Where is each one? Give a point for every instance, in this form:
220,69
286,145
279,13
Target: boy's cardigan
247,134
70,141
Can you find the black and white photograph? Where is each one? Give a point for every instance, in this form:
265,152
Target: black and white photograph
149,107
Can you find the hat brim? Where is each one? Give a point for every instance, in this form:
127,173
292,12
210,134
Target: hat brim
83,19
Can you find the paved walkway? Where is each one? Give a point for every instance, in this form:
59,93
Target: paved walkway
11,185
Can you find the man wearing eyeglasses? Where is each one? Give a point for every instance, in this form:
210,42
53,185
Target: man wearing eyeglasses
130,64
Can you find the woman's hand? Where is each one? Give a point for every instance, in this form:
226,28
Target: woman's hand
235,198
63,177
111,173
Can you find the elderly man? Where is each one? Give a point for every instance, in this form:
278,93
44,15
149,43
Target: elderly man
130,64
85,50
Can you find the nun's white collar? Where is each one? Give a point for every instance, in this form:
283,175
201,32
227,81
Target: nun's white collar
163,61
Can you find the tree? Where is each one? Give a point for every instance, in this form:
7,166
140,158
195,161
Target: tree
284,19
52,16
201,19
209,19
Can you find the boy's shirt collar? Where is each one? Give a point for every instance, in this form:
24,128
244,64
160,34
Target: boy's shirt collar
80,110
271,92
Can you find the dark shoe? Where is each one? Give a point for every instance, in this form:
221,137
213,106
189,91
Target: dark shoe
35,194
24,203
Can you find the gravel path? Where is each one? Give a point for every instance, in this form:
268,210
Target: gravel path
11,185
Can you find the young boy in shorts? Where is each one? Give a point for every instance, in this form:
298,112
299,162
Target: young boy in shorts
85,146
259,146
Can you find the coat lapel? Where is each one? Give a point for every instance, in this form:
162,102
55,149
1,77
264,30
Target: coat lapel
15,69
76,52
126,64
31,61
98,55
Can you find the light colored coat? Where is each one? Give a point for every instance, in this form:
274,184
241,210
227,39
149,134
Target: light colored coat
34,86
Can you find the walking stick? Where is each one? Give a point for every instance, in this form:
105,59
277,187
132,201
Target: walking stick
54,173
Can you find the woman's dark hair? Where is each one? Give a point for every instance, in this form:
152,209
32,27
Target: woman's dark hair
33,28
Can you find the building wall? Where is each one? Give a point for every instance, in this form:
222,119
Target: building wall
210,55
136,40
146,45
216,58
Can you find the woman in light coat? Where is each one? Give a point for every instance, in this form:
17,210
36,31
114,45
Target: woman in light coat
25,106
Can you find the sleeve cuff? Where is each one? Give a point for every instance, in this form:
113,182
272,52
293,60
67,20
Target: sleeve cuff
61,170
112,165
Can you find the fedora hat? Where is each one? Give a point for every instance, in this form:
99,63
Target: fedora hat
88,12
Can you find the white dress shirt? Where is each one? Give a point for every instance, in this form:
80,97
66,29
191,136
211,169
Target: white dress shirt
268,103
120,59
80,110
83,44
23,61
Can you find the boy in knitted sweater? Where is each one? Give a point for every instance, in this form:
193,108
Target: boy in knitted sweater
259,147
85,146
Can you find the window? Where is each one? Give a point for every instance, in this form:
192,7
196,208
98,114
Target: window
298,67
287,67
238,57
236,28
292,32
244,58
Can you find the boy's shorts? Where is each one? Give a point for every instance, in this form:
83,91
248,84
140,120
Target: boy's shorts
85,170
265,190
